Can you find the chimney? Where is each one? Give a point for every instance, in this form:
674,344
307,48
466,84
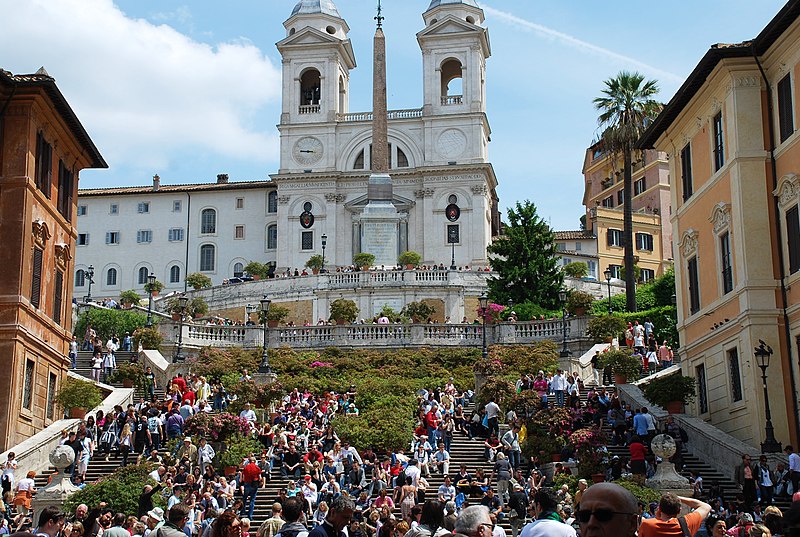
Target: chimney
156,183
222,178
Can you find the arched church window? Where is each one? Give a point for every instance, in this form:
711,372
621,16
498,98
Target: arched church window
310,88
402,159
238,270
452,89
359,163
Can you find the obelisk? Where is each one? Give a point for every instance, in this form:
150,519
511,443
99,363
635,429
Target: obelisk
380,220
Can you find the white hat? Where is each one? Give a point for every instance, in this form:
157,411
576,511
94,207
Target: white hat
156,514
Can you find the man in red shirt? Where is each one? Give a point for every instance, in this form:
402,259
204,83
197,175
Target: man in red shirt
251,478
666,522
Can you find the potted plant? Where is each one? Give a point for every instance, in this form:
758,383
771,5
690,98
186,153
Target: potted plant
130,375
418,311
622,363
275,315
410,259
129,298
315,263
198,281
578,302
576,269
257,270
148,338
671,392
153,288
605,328
344,311
589,443
364,260
237,449
79,396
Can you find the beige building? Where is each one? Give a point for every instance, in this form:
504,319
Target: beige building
603,199
43,147
734,153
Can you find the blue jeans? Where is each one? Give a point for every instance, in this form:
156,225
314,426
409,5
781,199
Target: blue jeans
560,394
249,499
513,459
73,359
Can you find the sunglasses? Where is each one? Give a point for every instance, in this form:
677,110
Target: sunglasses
601,515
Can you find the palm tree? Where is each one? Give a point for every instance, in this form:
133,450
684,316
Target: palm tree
626,108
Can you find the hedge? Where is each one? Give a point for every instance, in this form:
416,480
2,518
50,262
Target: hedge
120,490
107,322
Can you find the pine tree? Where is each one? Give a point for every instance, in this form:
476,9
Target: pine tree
524,260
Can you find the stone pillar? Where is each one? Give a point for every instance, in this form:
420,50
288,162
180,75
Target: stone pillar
56,493
666,478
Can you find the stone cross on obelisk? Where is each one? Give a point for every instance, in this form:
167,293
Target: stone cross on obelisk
380,221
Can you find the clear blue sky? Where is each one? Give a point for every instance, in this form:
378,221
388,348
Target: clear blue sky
189,89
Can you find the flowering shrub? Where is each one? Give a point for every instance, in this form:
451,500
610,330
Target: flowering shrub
492,312
489,367
589,444
216,427
320,364
558,422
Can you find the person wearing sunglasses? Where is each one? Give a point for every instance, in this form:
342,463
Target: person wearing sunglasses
607,510
548,523
667,522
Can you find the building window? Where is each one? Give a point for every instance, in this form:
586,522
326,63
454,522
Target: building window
608,202
175,274
207,258
240,203
36,277
646,275
238,232
639,186
272,202
272,237
359,162
577,247
785,111
686,172
694,286
725,260
175,234
143,207
58,296
307,240
719,142
561,247
66,184
208,221
51,395
27,385
80,278
402,159
142,275
111,277
144,236
620,197
83,239
112,237
644,241
453,234
43,172
238,270
733,371
82,210
702,394
793,238
113,208
614,237
616,271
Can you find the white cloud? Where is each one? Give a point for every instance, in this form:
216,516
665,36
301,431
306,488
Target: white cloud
143,91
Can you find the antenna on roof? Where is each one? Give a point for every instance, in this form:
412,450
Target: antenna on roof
379,17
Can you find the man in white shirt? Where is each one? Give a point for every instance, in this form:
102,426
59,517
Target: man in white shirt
447,491
794,467
548,523
413,472
559,387
248,413
510,441
492,414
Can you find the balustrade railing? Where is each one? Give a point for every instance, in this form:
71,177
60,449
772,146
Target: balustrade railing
452,99
309,109
407,113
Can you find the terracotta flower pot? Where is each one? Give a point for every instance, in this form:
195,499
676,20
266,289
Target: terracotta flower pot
598,478
127,383
77,413
230,470
272,324
675,407
620,379
556,457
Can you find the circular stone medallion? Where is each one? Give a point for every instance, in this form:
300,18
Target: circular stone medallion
451,143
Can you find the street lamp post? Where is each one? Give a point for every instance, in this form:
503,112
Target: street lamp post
483,300
90,275
151,280
562,297
183,301
264,367
324,244
763,353
607,274
452,239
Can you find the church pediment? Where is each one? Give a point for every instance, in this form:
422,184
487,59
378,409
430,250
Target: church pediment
449,25
308,36
358,204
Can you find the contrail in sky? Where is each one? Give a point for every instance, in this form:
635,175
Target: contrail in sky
577,43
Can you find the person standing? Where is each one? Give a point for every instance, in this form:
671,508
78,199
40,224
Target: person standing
511,445
73,352
794,467
8,472
518,509
559,387
745,477
251,479
595,371
492,416
667,522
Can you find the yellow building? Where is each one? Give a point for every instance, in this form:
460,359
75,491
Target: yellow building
43,147
734,155
603,199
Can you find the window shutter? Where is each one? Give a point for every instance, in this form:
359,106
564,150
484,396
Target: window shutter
36,280
793,237
57,302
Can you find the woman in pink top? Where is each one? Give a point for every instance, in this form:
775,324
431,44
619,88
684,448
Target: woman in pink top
665,355
382,500
540,385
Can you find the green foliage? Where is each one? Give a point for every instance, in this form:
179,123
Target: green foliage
343,309
214,363
663,288
654,294
196,307
524,260
120,490
109,322
394,317
409,258
579,300
198,280
148,338
130,371
665,390
664,319
384,424
315,262
76,393
154,287
276,313
576,269
363,259
645,495
501,388
605,327
237,448
254,268
570,480
419,311
129,297
622,362
528,311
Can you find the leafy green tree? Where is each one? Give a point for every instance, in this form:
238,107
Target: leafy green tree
120,490
525,260
626,108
